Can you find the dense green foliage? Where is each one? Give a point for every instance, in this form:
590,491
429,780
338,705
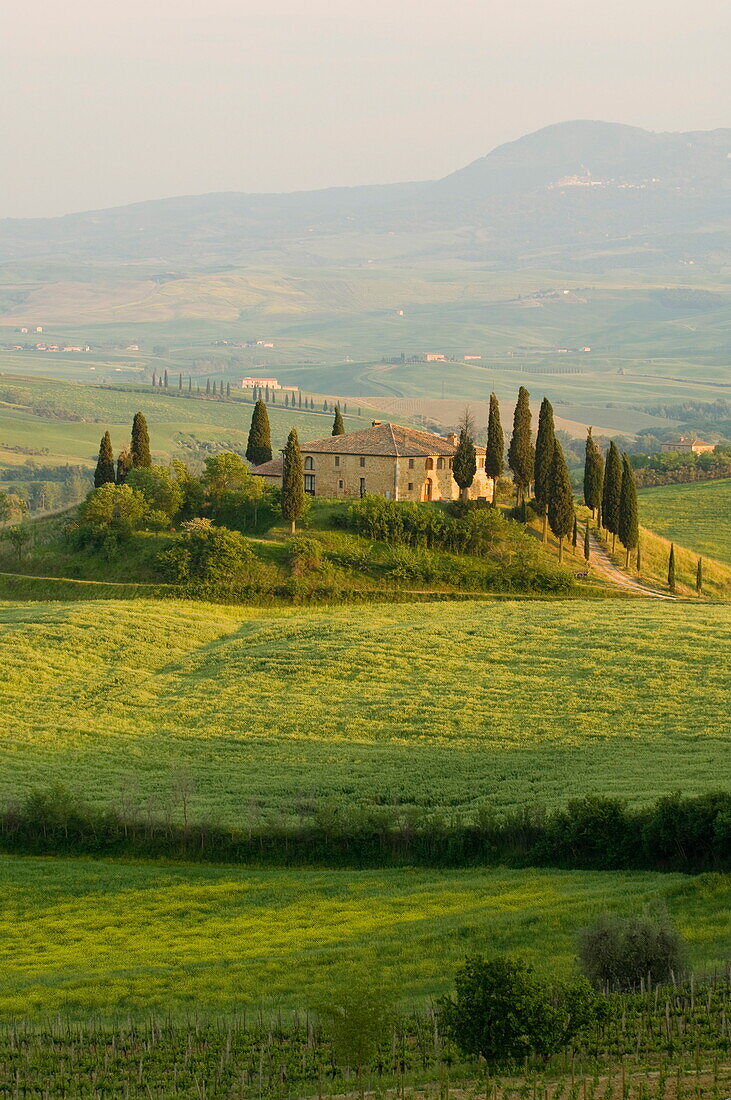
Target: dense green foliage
560,500
293,492
543,465
593,474
104,472
206,554
338,422
140,447
259,443
464,466
628,526
627,952
280,715
612,491
495,448
504,1012
520,452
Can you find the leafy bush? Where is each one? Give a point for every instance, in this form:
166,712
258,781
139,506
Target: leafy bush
304,555
162,493
620,953
207,554
110,514
503,1011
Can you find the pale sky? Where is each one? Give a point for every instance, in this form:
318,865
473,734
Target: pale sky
106,102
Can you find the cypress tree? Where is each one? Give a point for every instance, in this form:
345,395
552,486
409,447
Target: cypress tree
180,381
545,442
190,384
208,385
671,568
464,465
166,379
293,481
266,394
286,400
228,389
612,492
324,406
104,473
639,556
495,449
628,527
259,445
338,425
154,378
587,542
699,577
213,390
140,442
593,475
574,534
124,465
560,499
520,452
299,401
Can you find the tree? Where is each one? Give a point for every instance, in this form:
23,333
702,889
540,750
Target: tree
612,492
293,481
357,1018
495,449
113,509
699,577
619,953
140,450
224,472
154,378
560,499
5,507
639,556
208,386
593,475
259,445
628,527
575,534
104,472
19,538
338,425
587,542
162,493
124,465
520,452
545,443
204,552
504,1012
180,382
671,568
464,466
165,377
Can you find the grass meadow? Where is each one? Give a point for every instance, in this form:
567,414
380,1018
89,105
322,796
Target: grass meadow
265,714
697,515
109,940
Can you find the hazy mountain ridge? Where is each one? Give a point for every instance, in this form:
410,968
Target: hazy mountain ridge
569,193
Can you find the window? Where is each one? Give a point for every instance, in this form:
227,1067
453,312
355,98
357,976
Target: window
310,484
309,464
440,463
411,486
362,462
430,463
337,460
451,463
340,484
411,463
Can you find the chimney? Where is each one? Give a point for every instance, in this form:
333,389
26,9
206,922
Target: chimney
452,438
376,423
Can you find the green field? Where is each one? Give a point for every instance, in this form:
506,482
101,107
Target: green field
282,713
111,939
697,515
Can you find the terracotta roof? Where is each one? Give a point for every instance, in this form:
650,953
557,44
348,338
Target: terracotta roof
269,469
389,440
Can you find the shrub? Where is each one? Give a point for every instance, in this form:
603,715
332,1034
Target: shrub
503,1012
304,555
620,953
207,554
162,493
109,512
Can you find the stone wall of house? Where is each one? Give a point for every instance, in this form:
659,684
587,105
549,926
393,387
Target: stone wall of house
395,478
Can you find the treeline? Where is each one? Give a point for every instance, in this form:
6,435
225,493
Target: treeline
680,468
465,529
690,835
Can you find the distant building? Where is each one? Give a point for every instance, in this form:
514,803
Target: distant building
469,358
260,384
387,460
435,357
688,444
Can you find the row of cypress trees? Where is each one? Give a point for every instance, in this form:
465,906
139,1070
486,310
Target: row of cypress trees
610,491
137,454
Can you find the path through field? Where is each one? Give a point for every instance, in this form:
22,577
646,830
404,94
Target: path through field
605,567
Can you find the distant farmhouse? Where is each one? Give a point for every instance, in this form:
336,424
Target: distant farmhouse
386,459
265,384
688,444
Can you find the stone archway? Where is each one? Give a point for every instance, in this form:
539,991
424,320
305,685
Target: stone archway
427,491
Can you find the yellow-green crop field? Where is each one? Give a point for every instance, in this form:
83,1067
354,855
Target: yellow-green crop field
107,939
263,714
697,515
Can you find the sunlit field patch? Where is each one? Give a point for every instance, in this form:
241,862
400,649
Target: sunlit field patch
262,713
84,937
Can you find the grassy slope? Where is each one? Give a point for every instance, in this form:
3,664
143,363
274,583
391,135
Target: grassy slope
174,422
696,515
82,937
439,706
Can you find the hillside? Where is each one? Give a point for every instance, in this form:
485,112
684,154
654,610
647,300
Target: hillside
594,193
278,714
697,515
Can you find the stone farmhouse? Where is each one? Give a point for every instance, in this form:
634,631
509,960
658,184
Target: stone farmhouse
688,443
386,459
